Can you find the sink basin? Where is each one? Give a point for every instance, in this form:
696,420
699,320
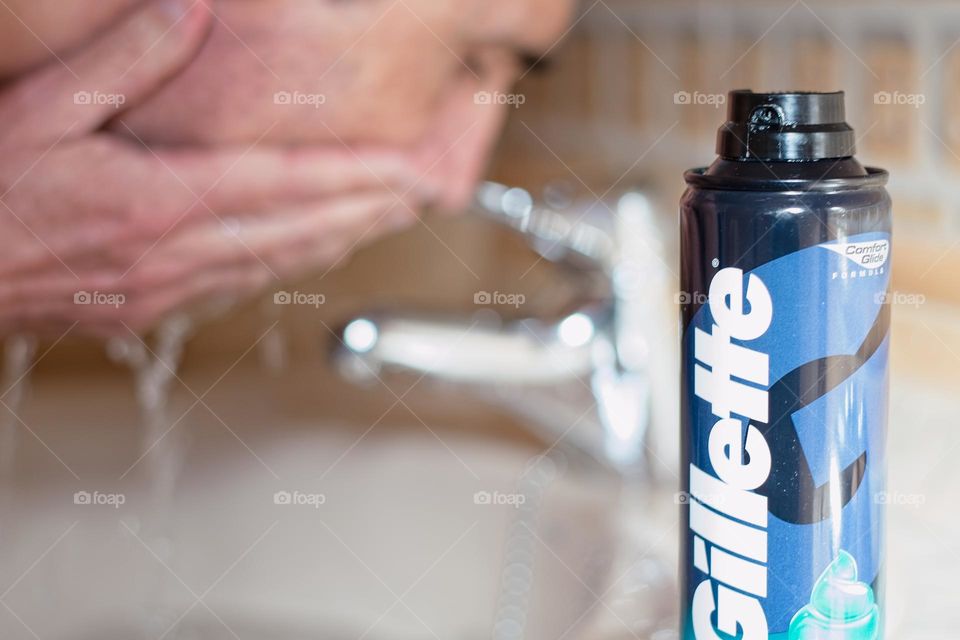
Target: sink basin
254,518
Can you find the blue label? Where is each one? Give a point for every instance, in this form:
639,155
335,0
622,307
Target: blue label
786,377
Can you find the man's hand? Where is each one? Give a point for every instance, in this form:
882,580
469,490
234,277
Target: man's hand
142,231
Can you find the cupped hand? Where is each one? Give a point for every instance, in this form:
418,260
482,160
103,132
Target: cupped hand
101,231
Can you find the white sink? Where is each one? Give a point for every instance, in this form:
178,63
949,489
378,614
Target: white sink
399,547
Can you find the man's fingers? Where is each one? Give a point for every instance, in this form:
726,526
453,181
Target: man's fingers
289,245
205,263
115,71
254,179
285,243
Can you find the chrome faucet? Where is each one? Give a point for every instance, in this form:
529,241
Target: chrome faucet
586,381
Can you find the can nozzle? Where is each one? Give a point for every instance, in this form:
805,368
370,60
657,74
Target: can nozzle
797,126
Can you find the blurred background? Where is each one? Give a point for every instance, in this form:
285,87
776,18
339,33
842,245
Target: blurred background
469,429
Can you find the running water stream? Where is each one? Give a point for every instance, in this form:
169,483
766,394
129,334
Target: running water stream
18,357
272,349
155,370
163,448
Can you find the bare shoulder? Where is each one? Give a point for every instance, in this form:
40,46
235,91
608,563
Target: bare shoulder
35,31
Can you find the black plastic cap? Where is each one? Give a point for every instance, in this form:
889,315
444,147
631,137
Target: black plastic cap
796,127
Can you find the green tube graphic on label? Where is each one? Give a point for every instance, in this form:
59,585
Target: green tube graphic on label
840,608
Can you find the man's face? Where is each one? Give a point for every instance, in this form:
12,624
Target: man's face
396,74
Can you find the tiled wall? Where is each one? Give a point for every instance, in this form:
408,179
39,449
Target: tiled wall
609,97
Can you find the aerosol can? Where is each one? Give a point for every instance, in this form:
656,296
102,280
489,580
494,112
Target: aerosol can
785,249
